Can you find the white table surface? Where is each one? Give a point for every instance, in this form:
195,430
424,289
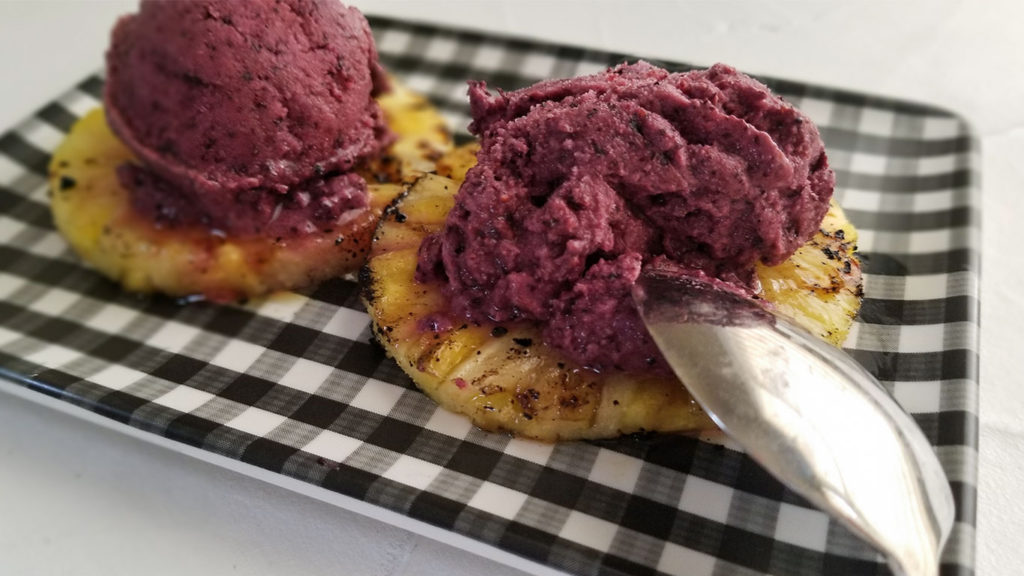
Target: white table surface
77,497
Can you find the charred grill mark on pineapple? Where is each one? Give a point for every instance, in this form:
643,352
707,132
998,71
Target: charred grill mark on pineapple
455,164
505,378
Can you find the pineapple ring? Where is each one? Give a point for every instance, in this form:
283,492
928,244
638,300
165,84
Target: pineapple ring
94,213
506,378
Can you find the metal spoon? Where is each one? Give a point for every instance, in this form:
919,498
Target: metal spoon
808,413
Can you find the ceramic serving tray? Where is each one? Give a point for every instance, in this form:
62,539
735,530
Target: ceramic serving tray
293,385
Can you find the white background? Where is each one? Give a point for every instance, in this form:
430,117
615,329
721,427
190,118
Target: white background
79,498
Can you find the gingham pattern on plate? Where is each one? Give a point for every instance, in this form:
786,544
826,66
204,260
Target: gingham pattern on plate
293,384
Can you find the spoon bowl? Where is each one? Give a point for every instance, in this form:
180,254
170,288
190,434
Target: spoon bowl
806,412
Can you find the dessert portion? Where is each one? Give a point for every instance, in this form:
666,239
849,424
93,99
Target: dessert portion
248,119
243,148
506,296
582,182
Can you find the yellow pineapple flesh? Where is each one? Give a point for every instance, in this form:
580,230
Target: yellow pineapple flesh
506,378
94,213
819,286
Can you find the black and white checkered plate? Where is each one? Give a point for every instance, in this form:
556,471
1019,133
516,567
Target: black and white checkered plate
293,385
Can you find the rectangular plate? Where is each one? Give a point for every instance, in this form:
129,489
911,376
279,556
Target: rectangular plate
292,384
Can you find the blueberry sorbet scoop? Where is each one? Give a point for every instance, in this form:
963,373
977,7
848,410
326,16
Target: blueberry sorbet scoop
247,117
582,183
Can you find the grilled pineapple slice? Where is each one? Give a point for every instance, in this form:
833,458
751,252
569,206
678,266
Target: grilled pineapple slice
505,378
819,287
423,135
456,163
94,213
